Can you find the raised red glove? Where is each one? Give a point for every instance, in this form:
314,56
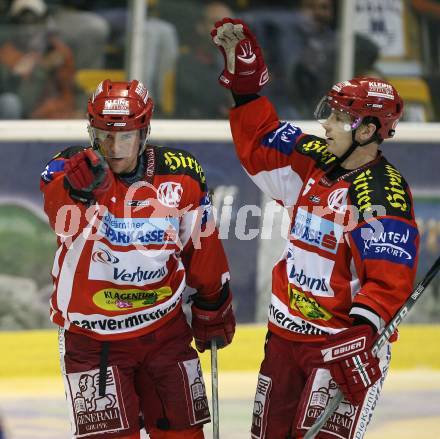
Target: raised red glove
88,172
351,363
213,321
245,70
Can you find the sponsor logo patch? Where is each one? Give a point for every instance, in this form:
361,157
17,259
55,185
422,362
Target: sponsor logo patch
104,255
92,413
363,190
307,306
112,299
309,271
53,167
195,388
341,424
206,204
283,138
261,405
319,148
142,91
310,283
120,323
116,106
125,268
395,193
380,89
344,349
316,231
279,316
395,243
177,161
138,203
140,231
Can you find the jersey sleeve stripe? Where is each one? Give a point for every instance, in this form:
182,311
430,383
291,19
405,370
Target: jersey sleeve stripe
367,314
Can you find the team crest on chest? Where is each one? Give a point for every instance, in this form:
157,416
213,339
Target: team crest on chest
337,200
169,193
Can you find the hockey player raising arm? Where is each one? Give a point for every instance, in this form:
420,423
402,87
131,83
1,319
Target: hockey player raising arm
134,228
351,258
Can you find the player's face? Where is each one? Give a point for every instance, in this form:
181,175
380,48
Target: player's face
338,130
120,148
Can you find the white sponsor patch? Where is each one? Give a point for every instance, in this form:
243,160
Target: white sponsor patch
90,412
343,350
169,193
195,388
98,91
134,267
340,85
116,106
320,390
142,91
309,271
380,89
261,406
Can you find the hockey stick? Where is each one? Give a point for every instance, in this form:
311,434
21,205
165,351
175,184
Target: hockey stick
214,388
378,344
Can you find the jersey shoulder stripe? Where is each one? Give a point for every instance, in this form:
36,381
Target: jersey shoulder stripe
179,162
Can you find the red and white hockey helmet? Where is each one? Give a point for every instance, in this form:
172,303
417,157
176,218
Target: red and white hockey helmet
124,107
120,106
362,97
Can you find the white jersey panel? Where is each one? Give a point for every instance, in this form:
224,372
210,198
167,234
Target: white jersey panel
282,184
309,271
135,267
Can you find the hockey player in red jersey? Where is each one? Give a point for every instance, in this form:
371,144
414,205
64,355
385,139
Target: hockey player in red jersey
351,255
134,228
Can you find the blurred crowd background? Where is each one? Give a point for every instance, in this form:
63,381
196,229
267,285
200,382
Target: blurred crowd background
53,53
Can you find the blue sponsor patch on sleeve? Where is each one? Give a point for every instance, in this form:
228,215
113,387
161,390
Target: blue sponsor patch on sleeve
51,168
206,204
283,139
387,239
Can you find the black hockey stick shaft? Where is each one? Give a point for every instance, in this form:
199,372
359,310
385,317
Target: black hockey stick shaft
379,343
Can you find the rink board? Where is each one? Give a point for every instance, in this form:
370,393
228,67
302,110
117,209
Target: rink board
34,353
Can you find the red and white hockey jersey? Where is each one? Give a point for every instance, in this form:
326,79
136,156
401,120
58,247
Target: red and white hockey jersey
353,240
124,261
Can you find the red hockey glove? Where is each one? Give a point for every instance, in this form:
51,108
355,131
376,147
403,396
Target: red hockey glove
213,321
245,70
351,363
88,172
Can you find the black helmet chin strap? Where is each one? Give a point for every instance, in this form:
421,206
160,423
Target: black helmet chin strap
353,146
